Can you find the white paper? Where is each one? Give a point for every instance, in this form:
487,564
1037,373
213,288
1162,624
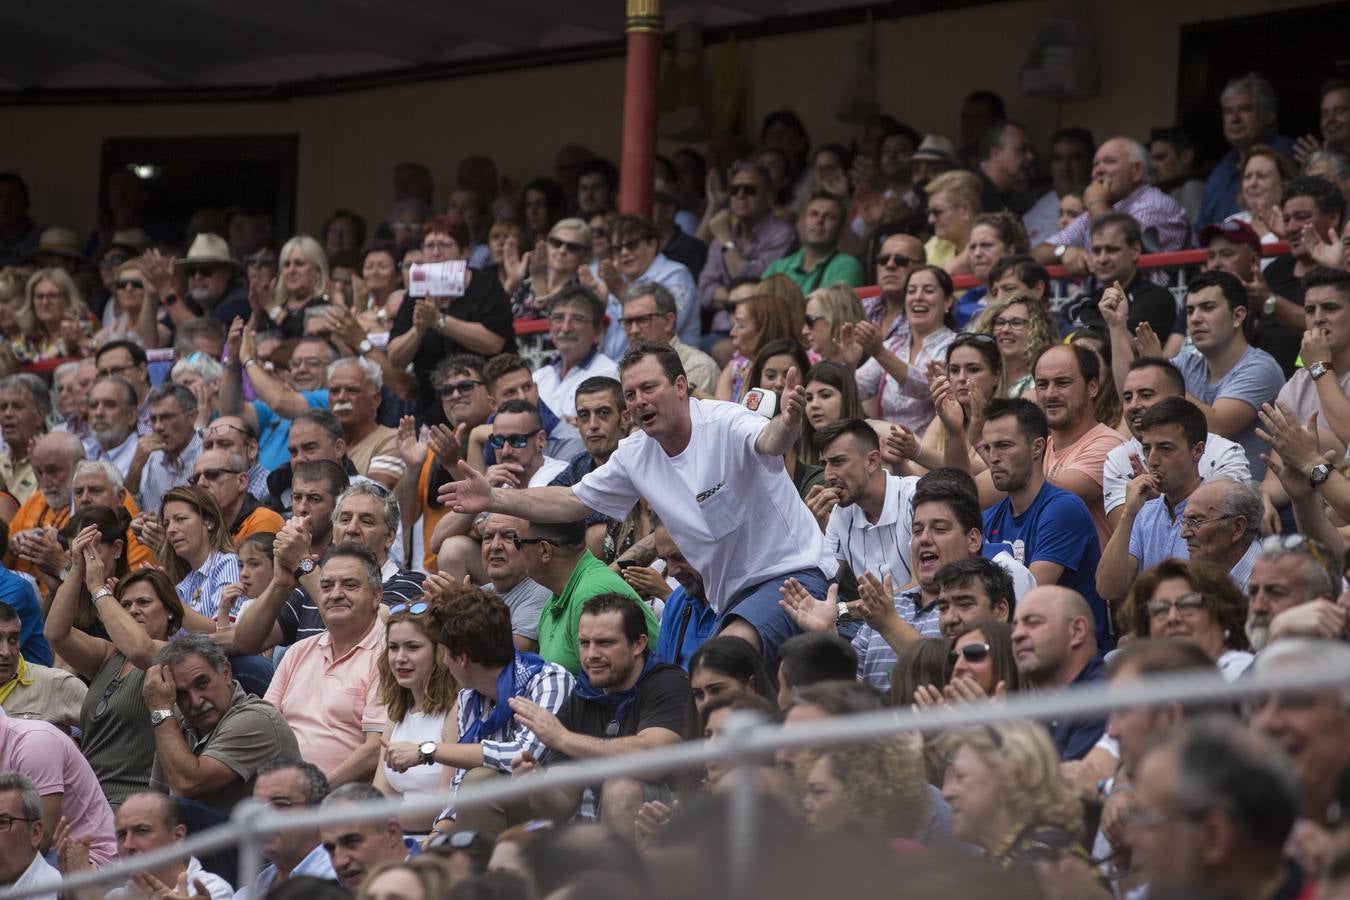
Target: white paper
442,279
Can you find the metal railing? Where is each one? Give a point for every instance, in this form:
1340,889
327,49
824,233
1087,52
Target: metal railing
745,743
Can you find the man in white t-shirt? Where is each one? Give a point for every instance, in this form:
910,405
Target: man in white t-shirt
713,472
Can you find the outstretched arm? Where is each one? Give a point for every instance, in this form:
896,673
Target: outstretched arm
472,494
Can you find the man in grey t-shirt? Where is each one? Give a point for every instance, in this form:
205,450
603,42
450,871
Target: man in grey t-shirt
504,563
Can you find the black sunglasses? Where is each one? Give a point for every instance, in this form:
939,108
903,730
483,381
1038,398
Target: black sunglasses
973,653
631,246
124,283
259,259
560,244
520,542
812,320
459,388
210,474
743,190
519,441
972,337
899,260
193,271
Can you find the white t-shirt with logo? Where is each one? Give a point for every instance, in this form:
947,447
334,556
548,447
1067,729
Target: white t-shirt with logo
734,513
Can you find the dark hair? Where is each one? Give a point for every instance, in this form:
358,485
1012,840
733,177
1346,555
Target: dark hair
629,610
497,884
498,366
353,550
7,614
665,356
164,590
476,623
1076,135
995,581
1008,227
1027,270
816,656
1128,225
993,100
1222,598
992,137
379,245
736,657
781,347
325,419
561,534
982,344
840,698
998,635
858,429
600,166
1170,372
577,295
1177,411
633,227
135,350
1154,656
964,506
839,377
1172,135
172,390
112,526
457,363
325,470
1325,276
358,226
561,855
1030,419
265,541
785,117
923,662
600,384
308,887
1327,197
555,198
519,406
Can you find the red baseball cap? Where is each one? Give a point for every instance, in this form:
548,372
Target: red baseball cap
1236,231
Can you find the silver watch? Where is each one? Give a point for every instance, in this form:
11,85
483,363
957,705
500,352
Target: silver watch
1318,369
1268,308
365,346
159,715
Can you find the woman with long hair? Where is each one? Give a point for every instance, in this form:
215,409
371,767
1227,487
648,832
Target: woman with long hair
827,311
728,666
1108,408
973,377
139,615
543,203
419,694
772,313
893,384
878,787
111,547
982,665
135,308
1022,327
61,323
769,373
303,283
197,552
831,396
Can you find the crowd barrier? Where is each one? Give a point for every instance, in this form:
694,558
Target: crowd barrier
747,742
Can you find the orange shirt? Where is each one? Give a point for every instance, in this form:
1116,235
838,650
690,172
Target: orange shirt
260,520
36,513
430,514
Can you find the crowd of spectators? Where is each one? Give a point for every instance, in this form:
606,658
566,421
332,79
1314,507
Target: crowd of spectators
909,423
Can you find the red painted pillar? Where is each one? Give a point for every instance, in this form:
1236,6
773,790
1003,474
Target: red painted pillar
639,106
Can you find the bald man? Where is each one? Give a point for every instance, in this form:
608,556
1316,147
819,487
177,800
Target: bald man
1055,646
32,534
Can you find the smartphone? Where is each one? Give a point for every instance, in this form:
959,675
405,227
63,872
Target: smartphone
625,563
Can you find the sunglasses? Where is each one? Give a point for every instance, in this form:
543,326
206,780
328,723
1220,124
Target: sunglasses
519,441
972,337
210,475
124,283
560,244
194,271
972,653
631,246
412,609
458,389
743,190
812,320
102,705
899,260
520,542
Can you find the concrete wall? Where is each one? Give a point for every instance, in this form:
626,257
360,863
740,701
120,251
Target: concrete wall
349,142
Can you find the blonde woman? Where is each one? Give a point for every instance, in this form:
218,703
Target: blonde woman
303,283
879,786
1021,327
827,311
551,266
16,315
61,324
953,204
135,308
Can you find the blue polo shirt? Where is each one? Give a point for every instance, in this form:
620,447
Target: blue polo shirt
19,595
1056,528
1156,534
274,430
1072,736
686,623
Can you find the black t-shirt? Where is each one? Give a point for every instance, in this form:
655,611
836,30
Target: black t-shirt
483,302
1149,303
1280,341
662,702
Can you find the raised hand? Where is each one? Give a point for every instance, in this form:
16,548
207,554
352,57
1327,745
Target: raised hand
448,444
1139,490
821,500
794,399
1306,146
426,314
948,407
609,274
505,474
157,270
1325,248
538,262
412,451
234,339
875,604
1297,445
809,613
1146,342
902,442
646,581
513,264
1114,306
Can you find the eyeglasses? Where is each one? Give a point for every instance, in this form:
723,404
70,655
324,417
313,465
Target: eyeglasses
631,246
102,706
972,337
412,609
1016,324
49,295
743,190
7,821
899,260
439,245
520,542
133,283
564,318
456,840
639,321
559,244
812,320
458,389
972,653
519,441
1185,605
211,475
213,430
1195,524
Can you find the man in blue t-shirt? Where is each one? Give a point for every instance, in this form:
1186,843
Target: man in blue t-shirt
689,619
1050,529
18,593
279,401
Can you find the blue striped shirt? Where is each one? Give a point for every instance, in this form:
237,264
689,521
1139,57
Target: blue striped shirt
201,588
876,658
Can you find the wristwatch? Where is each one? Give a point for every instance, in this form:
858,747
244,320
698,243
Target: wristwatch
427,750
306,566
1318,369
728,246
1320,473
100,594
1268,308
440,324
365,346
1061,250
159,715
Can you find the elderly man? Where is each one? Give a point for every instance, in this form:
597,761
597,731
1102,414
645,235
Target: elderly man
1119,183
818,263
24,407
1215,804
215,283
1250,111
328,686
354,394
233,435
30,690
22,864
504,564
737,483
126,359
289,783
172,451
33,540
358,848
71,384
225,476
575,319
746,236
638,259
210,736
1292,591
112,421
1222,525
648,314
1054,647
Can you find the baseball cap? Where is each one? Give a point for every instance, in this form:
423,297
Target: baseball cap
1236,231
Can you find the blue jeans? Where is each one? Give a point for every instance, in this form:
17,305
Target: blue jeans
758,605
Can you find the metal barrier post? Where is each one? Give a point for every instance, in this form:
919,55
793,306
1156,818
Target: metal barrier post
744,803
245,818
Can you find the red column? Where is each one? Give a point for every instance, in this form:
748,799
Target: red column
639,106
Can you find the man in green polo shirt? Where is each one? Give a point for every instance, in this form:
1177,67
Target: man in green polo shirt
819,263
556,557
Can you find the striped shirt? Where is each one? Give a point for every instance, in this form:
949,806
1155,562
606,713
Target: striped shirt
299,616
549,687
161,474
201,588
257,482
876,658
880,547
1163,222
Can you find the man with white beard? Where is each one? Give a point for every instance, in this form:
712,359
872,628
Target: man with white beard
354,395
1292,591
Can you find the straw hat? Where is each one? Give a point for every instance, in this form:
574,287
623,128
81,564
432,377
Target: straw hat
59,241
936,148
209,249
